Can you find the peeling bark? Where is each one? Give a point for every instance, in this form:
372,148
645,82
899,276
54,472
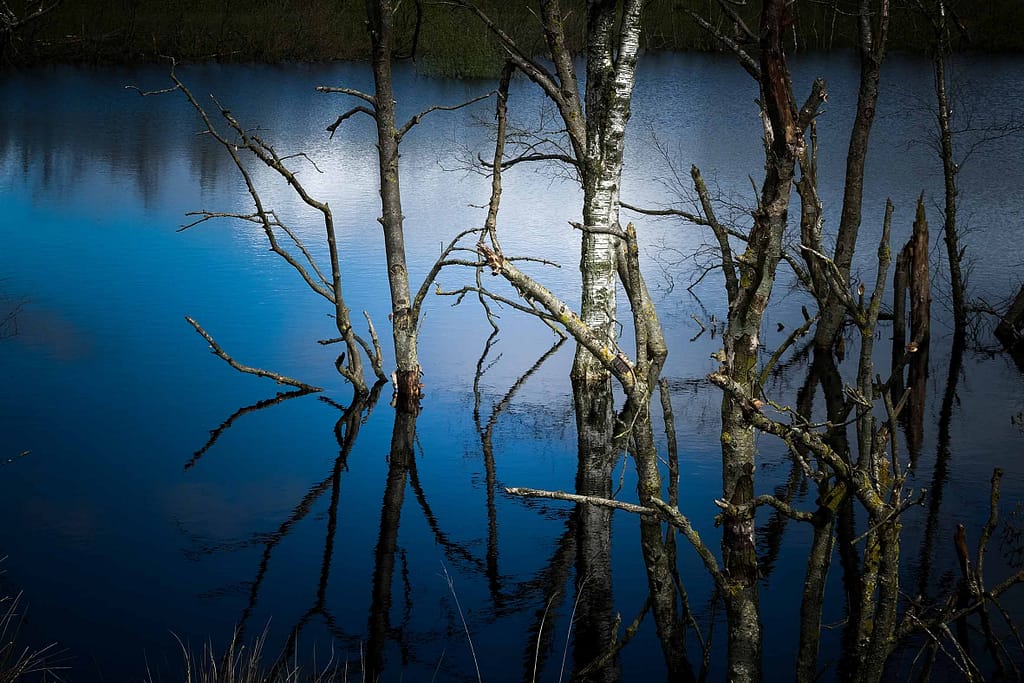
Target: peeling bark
611,74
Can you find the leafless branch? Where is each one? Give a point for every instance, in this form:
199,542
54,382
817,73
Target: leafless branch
721,234
583,500
526,158
748,63
790,340
377,357
442,261
505,301
349,91
280,379
347,115
437,107
246,142
523,61
10,22
534,292
595,229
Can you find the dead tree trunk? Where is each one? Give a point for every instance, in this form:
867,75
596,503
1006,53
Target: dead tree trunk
405,308
750,290
380,14
950,169
872,32
900,289
920,322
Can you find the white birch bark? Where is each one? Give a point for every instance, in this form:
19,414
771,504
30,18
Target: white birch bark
611,74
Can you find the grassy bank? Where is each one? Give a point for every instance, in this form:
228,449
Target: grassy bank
450,41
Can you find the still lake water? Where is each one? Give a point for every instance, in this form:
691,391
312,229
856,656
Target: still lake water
117,545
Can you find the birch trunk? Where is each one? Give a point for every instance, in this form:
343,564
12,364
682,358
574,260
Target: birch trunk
611,73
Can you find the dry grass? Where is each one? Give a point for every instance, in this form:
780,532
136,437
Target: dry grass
16,661
242,663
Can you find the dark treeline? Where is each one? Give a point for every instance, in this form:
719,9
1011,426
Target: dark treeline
119,31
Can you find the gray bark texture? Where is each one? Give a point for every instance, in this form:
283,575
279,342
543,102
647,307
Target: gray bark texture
749,291
872,33
783,142
380,14
950,169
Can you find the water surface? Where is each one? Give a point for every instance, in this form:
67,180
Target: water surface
120,536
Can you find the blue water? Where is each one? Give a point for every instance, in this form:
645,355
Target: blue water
118,548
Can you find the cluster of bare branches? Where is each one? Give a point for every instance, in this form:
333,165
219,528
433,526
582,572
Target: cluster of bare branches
11,23
865,478
242,143
871,474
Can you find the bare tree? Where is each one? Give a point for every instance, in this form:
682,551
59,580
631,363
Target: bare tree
938,15
958,134
749,282
405,313
239,141
869,475
595,125
872,39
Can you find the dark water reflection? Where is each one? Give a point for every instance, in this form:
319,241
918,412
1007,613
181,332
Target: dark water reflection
165,493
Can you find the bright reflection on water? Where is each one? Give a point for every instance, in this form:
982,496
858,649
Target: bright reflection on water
116,544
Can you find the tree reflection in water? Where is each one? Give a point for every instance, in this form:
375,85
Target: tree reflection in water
546,592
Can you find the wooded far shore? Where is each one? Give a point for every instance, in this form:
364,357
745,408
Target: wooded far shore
445,40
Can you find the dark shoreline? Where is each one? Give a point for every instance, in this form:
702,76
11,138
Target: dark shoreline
447,42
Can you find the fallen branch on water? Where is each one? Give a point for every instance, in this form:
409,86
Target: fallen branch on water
661,510
280,379
577,498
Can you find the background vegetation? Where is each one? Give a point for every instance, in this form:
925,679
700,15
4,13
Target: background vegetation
448,42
